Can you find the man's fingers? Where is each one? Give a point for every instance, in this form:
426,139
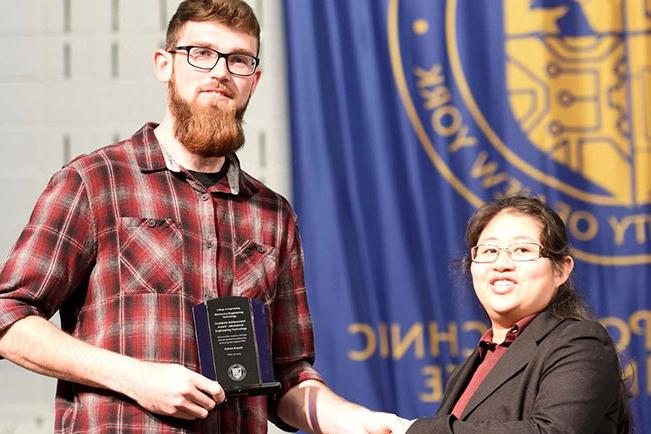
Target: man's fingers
212,389
207,395
183,415
191,412
176,391
200,400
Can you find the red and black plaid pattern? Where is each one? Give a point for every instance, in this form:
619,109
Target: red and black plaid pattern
124,246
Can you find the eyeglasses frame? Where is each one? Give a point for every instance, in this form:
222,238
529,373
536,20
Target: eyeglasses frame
187,49
541,252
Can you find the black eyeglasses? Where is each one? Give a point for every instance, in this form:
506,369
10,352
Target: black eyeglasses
206,58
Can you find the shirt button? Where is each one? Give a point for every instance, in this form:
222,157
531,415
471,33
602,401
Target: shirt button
151,223
204,196
260,249
209,244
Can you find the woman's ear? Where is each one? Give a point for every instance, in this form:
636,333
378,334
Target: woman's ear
163,65
563,270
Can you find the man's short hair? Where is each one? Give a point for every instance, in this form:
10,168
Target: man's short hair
235,14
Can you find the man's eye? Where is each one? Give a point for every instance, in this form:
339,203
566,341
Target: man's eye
201,52
240,60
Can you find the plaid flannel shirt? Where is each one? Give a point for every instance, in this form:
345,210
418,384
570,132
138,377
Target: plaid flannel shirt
123,242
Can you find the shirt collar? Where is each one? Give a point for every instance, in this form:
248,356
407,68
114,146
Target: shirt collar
486,340
151,157
235,182
148,152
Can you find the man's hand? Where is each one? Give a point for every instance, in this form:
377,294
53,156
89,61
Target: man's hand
174,390
396,424
314,408
365,421
167,389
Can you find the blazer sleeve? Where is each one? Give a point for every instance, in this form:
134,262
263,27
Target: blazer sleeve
578,385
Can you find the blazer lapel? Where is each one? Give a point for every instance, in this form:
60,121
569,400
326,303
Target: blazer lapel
458,382
514,359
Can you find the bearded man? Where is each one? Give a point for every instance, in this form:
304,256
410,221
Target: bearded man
126,240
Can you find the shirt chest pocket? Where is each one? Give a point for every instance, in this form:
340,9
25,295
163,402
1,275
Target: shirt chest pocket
151,255
255,271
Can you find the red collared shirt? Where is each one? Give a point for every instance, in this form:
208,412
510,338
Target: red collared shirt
489,354
123,242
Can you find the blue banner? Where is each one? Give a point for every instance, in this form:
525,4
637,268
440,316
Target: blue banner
406,116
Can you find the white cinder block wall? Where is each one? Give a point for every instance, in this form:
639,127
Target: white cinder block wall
77,75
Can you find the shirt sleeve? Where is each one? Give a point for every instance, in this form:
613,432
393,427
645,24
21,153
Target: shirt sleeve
292,335
52,254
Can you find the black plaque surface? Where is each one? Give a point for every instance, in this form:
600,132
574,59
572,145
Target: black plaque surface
234,346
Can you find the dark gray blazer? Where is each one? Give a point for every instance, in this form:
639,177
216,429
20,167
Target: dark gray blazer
558,376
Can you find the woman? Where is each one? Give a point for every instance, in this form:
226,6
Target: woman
544,366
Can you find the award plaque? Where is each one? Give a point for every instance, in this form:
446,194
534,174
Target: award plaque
234,346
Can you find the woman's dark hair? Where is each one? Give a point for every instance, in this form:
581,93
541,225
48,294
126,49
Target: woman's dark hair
566,303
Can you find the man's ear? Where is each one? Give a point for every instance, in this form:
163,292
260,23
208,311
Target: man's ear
256,80
163,65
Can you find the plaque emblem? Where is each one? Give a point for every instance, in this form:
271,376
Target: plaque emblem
236,372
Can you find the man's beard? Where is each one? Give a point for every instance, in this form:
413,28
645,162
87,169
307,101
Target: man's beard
207,131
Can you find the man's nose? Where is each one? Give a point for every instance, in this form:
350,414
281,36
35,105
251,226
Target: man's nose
220,69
